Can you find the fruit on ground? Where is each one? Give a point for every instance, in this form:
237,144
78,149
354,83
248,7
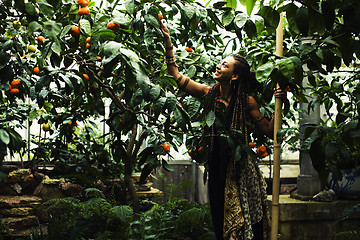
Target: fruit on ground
113,26
15,83
83,3
75,31
36,70
84,11
46,127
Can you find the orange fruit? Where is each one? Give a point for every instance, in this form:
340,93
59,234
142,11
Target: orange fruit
188,49
262,149
87,45
99,58
15,83
251,144
46,127
75,31
200,149
288,89
113,26
191,153
36,70
121,121
14,91
166,147
86,76
160,17
264,154
83,3
88,39
84,11
40,40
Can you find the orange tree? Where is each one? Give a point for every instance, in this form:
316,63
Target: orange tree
71,57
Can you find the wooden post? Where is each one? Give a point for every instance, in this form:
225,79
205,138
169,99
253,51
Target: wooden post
277,127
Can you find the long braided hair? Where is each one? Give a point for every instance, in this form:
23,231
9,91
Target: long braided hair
236,116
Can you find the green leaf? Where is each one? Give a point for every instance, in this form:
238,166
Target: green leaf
4,59
150,19
106,33
194,106
227,18
317,155
191,71
30,9
316,23
271,17
171,101
52,29
263,72
167,166
291,17
4,136
250,29
46,9
302,20
231,4
86,26
155,92
286,66
34,26
159,105
241,19
210,118
189,11
250,6
130,6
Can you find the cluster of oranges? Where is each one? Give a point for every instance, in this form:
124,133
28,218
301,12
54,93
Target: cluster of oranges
193,153
14,86
261,151
83,9
88,42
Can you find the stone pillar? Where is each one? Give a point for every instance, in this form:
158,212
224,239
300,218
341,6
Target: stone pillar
308,182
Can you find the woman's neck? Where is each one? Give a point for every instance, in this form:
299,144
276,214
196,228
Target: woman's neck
226,91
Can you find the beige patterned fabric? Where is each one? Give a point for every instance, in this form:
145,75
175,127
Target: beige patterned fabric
245,204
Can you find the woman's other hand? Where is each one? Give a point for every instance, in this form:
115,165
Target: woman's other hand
279,93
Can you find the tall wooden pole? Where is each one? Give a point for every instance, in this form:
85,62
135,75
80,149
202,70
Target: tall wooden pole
277,127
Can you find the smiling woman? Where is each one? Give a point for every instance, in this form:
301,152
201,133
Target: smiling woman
237,191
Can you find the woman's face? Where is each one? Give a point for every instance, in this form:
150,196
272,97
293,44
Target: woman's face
225,70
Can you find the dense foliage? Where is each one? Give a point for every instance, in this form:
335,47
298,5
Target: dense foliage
69,65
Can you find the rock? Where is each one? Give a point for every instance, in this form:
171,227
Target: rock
19,223
326,195
20,175
16,187
17,211
72,190
18,201
7,190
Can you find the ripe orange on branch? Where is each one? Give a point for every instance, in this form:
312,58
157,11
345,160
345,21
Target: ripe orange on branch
251,144
188,49
113,26
88,39
83,3
15,83
14,91
36,70
86,76
166,147
160,17
75,31
40,40
84,11
262,149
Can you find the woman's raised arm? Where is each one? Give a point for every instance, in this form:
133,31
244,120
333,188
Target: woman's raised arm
185,83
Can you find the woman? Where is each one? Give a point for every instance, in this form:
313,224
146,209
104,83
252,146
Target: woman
237,194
